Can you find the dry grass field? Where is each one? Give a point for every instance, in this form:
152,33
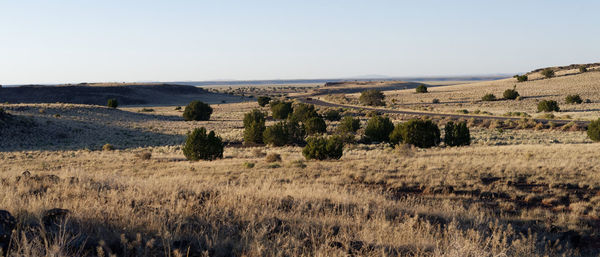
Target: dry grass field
512,192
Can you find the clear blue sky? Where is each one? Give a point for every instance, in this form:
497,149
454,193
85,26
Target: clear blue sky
91,41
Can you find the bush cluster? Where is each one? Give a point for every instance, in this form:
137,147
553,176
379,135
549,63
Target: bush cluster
548,106
315,125
263,100
583,69
372,97
202,146
488,97
254,127
573,99
548,73
421,89
378,129
420,133
197,110
284,133
457,134
521,78
112,103
593,130
348,124
322,148
511,94
303,112
332,115
281,110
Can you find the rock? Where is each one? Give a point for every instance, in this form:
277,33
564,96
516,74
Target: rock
7,224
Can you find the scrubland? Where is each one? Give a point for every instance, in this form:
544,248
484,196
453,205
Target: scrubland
515,191
454,98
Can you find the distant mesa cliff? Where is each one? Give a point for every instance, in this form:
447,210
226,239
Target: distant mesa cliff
128,94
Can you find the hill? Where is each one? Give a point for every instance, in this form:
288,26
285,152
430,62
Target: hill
98,94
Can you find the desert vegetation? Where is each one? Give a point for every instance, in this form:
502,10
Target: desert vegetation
252,181
372,97
197,111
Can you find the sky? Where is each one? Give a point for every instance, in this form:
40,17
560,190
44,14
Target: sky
77,41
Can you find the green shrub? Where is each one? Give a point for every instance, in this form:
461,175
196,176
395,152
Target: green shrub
435,101
348,124
548,106
488,97
112,103
254,127
202,146
322,148
315,125
420,133
302,112
332,115
573,99
593,130
548,73
396,135
457,134
372,97
284,133
583,69
108,147
263,100
281,110
378,129
521,78
421,89
511,94
197,110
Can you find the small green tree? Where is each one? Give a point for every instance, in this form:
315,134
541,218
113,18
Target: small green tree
457,134
583,69
420,133
593,130
323,148
348,124
421,89
197,110
573,99
315,125
548,73
488,97
302,112
112,103
332,115
548,106
378,129
281,110
263,100
254,127
202,146
521,78
372,97
511,94
284,133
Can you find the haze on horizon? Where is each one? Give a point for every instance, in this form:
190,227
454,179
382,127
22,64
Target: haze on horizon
92,41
